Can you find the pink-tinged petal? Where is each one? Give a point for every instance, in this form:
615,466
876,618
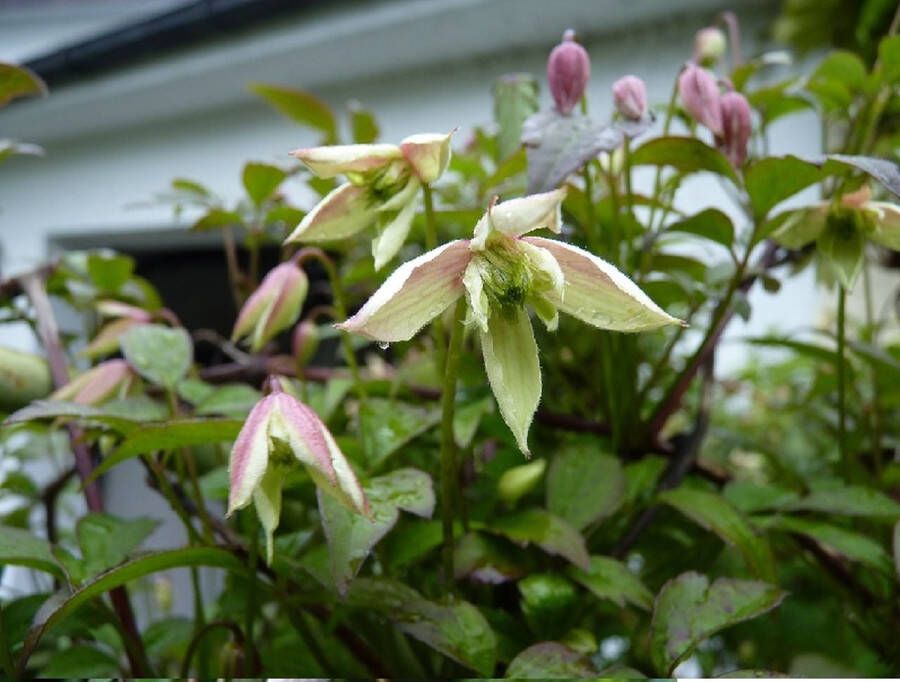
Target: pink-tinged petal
290,285
119,309
416,292
342,213
300,427
428,154
389,241
520,216
252,311
597,293
107,340
476,297
98,384
267,500
513,369
326,162
348,491
249,455
887,224
699,94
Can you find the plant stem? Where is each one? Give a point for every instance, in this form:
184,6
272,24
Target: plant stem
590,233
200,626
629,198
252,558
872,338
449,479
6,660
234,271
437,327
841,375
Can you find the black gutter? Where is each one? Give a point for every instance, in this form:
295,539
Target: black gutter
175,29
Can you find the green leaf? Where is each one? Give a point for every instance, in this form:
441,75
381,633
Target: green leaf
19,547
161,354
388,425
231,400
80,661
584,484
884,171
710,223
548,602
109,270
771,180
713,512
549,532
889,59
750,497
686,154
467,418
55,409
170,435
363,126
456,629
515,99
17,81
843,248
261,180
301,107
610,579
689,610
854,546
57,611
107,541
849,501
837,79
486,559
897,548
549,661
217,218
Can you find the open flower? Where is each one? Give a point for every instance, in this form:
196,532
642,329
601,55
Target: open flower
279,431
108,380
384,182
274,306
500,271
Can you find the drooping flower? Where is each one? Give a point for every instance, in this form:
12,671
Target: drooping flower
107,380
568,72
501,271
736,127
630,97
274,306
279,431
710,44
699,95
382,188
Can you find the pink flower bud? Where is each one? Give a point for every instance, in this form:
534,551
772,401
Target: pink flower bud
304,342
699,94
709,45
630,97
568,72
274,306
101,383
736,127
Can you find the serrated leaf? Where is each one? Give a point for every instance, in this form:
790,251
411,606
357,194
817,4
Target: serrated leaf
301,107
547,531
584,484
515,99
771,180
388,425
456,629
17,81
558,146
849,501
686,154
689,610
161,354
19,547
715,514
549,660
261,180
610,579
711,223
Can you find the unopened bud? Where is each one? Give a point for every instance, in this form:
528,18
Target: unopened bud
568,72
520,480
304,342
736,127
699,94
274,306
709,45
107,380
630,97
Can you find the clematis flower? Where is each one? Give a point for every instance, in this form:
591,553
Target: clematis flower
384,182
274,306
500,271
699,94
279,431
107,380
737,127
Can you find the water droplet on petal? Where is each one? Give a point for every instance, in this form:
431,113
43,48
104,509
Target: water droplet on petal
383,345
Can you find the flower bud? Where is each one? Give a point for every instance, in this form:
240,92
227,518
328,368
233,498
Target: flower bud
630,97
99,384
736,127
709,45
699,94
274,306
304,342
520,480
568,72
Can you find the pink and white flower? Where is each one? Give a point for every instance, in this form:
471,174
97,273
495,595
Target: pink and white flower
382,189
280,431
108,380
274,306
500,271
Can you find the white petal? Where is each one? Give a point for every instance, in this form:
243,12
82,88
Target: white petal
342,213
249,455
597,293
267,500
803,227
513,369
348,489
414,294
428,154
887,228
386,245
401,198
326,162
476,297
